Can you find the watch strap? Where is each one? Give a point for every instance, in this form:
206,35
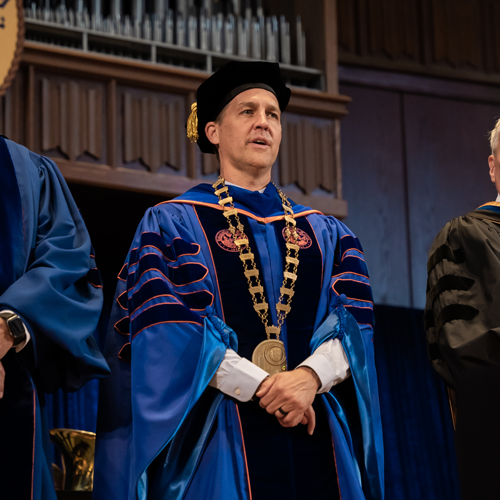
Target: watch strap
16,327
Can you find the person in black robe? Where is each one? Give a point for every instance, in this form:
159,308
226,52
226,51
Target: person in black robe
462,317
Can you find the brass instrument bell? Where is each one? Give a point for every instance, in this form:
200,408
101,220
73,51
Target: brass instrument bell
77,452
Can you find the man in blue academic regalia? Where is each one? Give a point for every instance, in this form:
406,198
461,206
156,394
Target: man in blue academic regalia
241,338
50,301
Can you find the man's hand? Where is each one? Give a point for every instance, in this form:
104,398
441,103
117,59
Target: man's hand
294,393
6,340
309,419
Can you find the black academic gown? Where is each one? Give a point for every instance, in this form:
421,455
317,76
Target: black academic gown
463,334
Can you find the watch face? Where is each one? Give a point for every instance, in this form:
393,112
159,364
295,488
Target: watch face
16,328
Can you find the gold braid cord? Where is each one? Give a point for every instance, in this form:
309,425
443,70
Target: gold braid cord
192,123
249,266
19,49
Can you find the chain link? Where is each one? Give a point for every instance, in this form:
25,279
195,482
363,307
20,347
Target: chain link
252,274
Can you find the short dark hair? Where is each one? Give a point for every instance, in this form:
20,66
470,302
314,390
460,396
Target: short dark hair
218,120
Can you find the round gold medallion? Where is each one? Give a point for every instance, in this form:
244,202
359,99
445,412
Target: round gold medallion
270,355
275,354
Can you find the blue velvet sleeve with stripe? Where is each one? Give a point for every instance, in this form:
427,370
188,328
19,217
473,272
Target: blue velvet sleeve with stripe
350,276
164,344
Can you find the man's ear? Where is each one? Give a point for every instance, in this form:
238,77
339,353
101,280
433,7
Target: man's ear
212,132
491,164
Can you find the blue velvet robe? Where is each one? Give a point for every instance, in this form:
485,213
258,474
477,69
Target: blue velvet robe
170,329
49,278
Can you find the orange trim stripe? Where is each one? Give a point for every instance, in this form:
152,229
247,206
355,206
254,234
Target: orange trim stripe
168,246
119,354
177,302
120,332
354,257
321,251
163,253
147,281
95,286
135,264
352,250
336,468
172,283
360,307
494,203
265,220
355,274
244,452
121,279
34,444
352,298
213,263
199,291
118,302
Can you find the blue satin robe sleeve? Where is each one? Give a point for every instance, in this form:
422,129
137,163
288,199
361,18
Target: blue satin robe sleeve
350,291
58,293
164,344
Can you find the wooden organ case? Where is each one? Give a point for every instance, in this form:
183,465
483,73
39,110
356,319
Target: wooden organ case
105,90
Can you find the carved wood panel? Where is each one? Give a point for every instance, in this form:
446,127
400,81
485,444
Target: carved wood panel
457,33
117,130
12,110
387,28
492,33
308,156
152,127
72,118
421,35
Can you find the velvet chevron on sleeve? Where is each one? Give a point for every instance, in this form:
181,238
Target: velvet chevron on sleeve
461,311
350,277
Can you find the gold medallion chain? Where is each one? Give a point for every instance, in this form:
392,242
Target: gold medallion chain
248,258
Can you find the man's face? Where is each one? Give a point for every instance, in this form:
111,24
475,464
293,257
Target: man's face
249,134
494,164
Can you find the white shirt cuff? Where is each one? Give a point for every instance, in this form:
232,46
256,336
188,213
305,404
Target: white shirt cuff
23,344
329,361
238,377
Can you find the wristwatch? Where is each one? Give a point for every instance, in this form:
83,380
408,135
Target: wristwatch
16,327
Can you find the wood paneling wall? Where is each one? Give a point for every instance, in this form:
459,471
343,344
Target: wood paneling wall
151,125
12,110
120,123
308,154
447,152
71,116
374,180
411,162
453,38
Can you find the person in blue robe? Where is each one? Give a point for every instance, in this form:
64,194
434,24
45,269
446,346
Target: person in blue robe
50,302
185,413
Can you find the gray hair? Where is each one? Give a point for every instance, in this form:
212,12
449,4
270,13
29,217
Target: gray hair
493,137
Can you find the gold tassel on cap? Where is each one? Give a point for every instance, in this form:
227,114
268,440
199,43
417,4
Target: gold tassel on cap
192,124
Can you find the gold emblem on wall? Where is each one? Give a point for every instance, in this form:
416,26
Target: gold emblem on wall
11,40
